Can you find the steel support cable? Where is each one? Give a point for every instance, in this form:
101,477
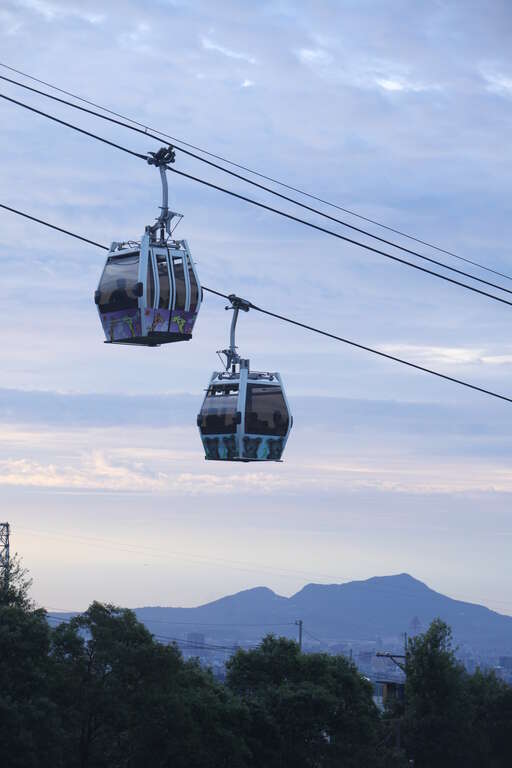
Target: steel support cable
52,226
263,187
346,239
311,328
74,127
146,130
369,349
270,208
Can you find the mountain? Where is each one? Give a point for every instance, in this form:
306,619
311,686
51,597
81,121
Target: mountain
382,606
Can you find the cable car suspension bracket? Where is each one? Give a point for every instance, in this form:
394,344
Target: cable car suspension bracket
161,160
231,354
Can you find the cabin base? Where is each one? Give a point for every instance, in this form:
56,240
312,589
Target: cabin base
245,461
153,339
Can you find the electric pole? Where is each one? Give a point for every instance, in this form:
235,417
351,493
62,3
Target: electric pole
299,623
4,556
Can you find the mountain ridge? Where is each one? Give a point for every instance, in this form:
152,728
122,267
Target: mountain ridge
363,610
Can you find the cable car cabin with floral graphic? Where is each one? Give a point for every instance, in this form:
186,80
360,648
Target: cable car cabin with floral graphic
244,416
148,294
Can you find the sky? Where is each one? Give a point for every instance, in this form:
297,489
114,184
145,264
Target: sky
399,111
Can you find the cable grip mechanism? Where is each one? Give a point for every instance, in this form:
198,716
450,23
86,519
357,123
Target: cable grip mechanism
161,159
231,354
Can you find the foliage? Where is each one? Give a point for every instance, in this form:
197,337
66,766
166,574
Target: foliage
29,720
436,722
14,591
130,701
306,709
451,717
491,726
99,691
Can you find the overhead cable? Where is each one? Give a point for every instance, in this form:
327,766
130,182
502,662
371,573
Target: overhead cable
271,191
340,237
52,226
74,127
313,329
189,645
146,130
270,208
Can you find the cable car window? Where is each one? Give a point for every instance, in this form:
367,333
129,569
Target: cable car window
265,412
179,278
218,414
150,286
194,289
163,279
118,283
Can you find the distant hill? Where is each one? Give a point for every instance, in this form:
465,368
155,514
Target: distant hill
382,606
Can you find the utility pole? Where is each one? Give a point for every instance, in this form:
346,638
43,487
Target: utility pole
4,555
400,660
299,623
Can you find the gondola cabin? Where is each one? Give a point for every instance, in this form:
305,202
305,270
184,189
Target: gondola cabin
244,416
148,294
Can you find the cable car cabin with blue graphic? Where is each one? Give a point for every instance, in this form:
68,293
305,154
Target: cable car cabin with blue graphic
244,416
148,294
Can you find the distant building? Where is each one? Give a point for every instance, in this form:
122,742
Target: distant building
387,691
506,663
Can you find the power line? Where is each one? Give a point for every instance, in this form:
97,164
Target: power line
146,130
270,208
150,620
143,549
259,186
189,644
150,552
312,636
329,335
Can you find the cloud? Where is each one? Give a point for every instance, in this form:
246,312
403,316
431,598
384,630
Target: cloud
209,45
402,84
160,472
91,472
498,82
138,36
9,23
52,11
315,56
446,355
362,72
60,442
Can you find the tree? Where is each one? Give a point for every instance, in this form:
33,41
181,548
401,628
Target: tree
437,708
491,726
29,720
306,709
128,701
14,591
